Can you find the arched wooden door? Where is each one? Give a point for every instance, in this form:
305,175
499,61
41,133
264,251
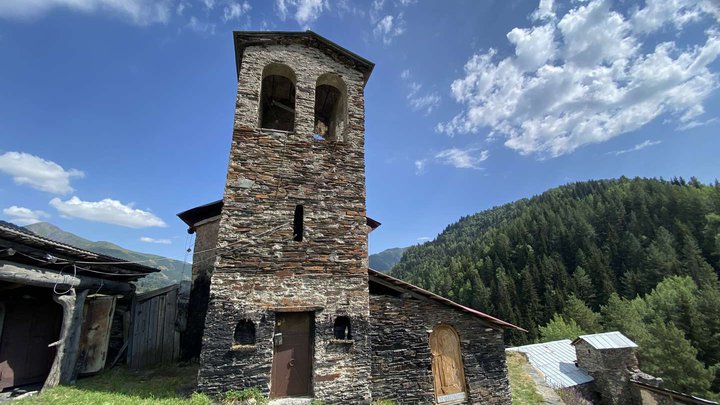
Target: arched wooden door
447,365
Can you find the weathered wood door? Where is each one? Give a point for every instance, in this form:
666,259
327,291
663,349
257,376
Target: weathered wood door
447,365
31,322
95,335
292,357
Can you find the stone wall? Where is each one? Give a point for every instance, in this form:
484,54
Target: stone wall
612,370
401,358
203,264
260,270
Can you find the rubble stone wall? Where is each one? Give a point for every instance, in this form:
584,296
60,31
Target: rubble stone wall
401,358
611,369
202,268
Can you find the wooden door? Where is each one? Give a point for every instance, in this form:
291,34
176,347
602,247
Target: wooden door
447,365
95,332
292,357
31,322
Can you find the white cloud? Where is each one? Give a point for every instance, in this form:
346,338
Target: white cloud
389,27
544,11
209,4
141,12
235,10
469,158
108,211
24,216
695,124
426,102
306,12
588,76
657,13
636,148
424,239
201,27
345,7
462,159
180,9
38,173
148,239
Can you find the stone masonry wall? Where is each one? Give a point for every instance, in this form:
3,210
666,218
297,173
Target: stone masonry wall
260,270
203,262
611,369
402,365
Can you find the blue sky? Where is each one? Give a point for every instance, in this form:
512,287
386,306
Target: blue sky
116,114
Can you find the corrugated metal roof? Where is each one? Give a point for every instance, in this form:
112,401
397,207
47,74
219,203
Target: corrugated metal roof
608,340
556,360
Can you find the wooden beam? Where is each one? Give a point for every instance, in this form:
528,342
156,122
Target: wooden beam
39,277
63,367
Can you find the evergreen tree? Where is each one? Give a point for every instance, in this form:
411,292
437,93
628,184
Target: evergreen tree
558,329
666,353
576,310
694,264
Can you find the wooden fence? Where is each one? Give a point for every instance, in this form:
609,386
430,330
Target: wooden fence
154,339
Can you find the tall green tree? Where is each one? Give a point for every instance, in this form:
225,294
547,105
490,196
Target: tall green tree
576,310
558,329
666,353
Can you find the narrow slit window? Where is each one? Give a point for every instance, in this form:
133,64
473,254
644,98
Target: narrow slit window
298,227
244,333
341,329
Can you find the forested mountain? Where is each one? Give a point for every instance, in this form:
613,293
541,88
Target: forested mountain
173,271
386,259
640,256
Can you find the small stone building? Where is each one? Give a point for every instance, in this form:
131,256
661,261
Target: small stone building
280,273
610,359
601,368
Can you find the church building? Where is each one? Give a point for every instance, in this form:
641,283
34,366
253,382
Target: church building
282,296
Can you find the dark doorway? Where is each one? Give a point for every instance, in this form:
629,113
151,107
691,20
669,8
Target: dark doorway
292,358
31,322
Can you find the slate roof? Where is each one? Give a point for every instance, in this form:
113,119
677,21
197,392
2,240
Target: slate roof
244,39
608,340
376,276
556,361
30,244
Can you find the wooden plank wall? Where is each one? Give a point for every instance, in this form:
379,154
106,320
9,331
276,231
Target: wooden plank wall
154,339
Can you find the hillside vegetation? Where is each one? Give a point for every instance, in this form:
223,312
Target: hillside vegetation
385,260
640,256
172,271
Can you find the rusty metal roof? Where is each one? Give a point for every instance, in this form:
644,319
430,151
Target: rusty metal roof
244,39
556,361
607,340
442,300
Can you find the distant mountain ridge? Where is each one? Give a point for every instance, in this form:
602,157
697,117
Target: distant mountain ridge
173,271
385,260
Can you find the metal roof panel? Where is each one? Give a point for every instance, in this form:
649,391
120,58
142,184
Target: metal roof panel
556,361
607,340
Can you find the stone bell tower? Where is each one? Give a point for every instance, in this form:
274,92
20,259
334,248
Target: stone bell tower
289,302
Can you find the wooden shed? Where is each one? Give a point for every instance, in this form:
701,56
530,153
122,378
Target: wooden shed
58,308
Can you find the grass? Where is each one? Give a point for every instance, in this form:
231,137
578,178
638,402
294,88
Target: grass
175,385
166,386
521,384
